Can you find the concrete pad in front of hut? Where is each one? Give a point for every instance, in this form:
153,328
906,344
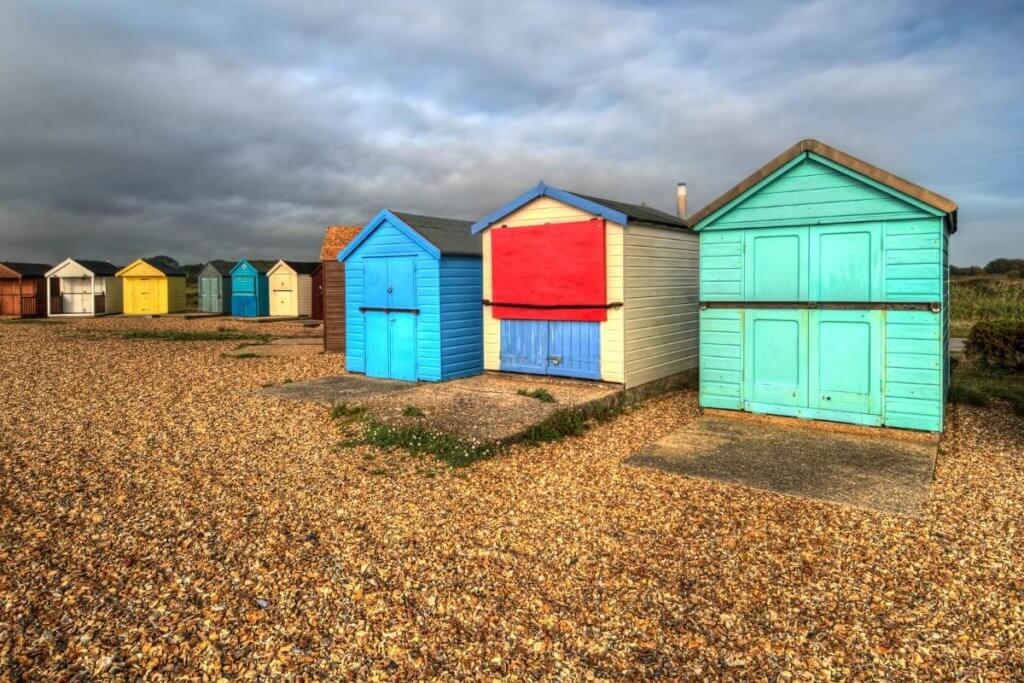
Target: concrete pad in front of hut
340,389
883,470
486,407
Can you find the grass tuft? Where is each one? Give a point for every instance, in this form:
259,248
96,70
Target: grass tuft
976,385
542,395
239,355
347,411
455,451
412,411
197,336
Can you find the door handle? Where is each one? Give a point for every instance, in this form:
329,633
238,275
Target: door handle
390,290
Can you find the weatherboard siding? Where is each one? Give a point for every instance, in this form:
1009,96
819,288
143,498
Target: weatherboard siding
461,320
812,192
914,258
661,294
915,370
389,241
721,358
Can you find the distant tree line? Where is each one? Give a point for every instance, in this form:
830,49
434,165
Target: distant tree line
1009,267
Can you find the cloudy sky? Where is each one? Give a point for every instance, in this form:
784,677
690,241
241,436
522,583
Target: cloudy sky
241,128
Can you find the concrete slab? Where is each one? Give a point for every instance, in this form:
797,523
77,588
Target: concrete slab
351,388
880,470
484,408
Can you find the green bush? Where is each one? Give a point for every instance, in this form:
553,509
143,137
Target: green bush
997,344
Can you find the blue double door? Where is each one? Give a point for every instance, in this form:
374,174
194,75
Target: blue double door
551,347
389,317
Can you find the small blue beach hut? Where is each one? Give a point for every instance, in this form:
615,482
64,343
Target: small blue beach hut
250,291
413,299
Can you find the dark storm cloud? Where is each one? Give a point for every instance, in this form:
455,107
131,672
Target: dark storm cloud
241,128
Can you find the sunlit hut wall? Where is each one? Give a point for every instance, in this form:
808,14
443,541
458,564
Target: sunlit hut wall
152,287
291,288
23,289
413,299
825,293
83,288
579,286
332,276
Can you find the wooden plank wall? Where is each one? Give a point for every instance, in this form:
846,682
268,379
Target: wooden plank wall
334,306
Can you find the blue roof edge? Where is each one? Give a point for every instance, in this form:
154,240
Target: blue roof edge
386,216
544,190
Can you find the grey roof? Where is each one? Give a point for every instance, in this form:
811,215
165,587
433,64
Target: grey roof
165,268
98,267
451,236
221,266
303,267
28,269
636,212
260,265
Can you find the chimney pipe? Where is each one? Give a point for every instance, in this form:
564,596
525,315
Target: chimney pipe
681,200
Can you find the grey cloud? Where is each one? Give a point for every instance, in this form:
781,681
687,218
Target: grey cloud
241,128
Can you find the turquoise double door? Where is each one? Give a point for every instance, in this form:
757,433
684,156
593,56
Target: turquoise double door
390,317
814,363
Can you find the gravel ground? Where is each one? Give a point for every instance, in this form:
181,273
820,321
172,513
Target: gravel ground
160,516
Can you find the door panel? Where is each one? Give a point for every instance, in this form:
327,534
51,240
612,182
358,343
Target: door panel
390,283
375,278
378,354
524,346
402,282
574,349
776,264
775,349
402,345
555,347
845,361
846,263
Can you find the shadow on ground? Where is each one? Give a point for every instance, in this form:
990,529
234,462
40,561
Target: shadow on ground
877,470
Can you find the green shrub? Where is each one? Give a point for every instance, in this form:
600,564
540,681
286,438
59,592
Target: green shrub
347,411
542,395
997,344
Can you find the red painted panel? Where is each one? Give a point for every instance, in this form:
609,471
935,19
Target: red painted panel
549,272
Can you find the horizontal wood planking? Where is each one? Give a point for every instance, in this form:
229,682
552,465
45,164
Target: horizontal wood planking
661,287
462,354
914,370
721,358
334,306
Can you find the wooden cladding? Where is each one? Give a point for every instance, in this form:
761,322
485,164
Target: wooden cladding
334,306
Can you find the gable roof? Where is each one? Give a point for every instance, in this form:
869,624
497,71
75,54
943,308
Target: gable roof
452,236
438,236
809,146
221,266
622,213
163,267
27,269
303,267
258,265
336,238
97,268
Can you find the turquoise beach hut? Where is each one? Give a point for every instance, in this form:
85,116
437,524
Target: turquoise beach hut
413,299
250,290
824,293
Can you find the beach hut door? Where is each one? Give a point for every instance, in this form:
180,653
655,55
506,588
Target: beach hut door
566,348
390,313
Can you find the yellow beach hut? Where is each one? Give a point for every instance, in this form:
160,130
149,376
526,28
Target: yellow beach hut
152,287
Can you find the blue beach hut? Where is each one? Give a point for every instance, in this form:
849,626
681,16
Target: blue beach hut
413,299
250,291
824,293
